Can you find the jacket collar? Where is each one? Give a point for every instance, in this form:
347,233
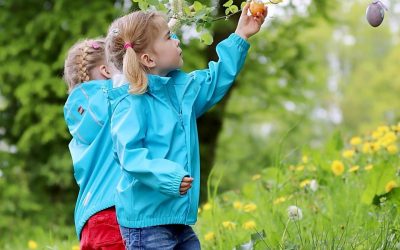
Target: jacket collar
156,82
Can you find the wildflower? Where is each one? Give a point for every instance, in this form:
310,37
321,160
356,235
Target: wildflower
256,177
354,169
238,205
313,185
229,225
337,168
199,210
390,185
75,247
389,138
304,183
292,168
355,141
300,168
249,224
207,206
348,153
295,213
376,146
383,129
209,236
377,134
368,167
367,148
279,200
392,149
32,244
304,159
250,207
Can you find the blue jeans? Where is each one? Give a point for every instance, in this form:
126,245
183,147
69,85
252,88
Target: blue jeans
165,237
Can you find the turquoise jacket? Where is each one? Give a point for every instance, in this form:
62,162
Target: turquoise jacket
155,138
96,170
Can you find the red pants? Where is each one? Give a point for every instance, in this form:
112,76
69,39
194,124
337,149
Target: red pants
101,232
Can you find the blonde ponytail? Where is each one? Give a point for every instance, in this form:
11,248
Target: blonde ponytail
134,72
138,30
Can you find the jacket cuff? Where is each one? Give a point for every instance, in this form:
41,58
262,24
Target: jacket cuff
173,187
237,41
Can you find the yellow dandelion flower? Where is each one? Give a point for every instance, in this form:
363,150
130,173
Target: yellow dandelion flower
389,138
238,205
209,236
354,169
300,168
256,177
75,247
250,207
355,141
392,149
390,185
383,129
337,168
279,200
304,159
304,183
377,134
367,148
396,128
32,244
348,153
207,206
249,225
199,210
368,167
229,225
376,146
292,168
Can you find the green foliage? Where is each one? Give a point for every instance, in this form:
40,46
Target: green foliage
39,174
334,213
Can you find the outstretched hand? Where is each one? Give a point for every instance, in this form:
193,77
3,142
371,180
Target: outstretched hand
250,25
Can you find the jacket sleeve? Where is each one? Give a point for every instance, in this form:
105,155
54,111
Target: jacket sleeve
128,129
216,80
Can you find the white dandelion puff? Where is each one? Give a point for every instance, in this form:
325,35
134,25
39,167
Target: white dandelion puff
294,213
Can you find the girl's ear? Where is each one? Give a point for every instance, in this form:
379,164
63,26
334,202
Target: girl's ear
104,71
147,60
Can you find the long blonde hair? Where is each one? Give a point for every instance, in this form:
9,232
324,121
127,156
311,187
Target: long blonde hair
128,37
82,57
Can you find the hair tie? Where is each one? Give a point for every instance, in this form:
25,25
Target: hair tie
95,45
128,45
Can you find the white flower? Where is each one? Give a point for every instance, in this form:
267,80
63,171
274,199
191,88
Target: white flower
294,213
313,185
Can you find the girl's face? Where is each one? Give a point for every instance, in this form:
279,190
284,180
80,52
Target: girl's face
167,53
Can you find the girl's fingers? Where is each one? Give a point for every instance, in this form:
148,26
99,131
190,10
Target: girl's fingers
184,184
187,179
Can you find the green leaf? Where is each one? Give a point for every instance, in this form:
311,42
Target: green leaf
229,3
143,5
207,38
234,9
197,6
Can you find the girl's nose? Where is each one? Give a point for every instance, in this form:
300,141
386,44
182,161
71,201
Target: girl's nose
177,42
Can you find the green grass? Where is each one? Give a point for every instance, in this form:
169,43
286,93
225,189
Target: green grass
348,210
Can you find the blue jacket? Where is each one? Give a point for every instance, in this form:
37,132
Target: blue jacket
96,171
155,138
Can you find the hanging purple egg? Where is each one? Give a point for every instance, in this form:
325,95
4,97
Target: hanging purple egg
375,13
